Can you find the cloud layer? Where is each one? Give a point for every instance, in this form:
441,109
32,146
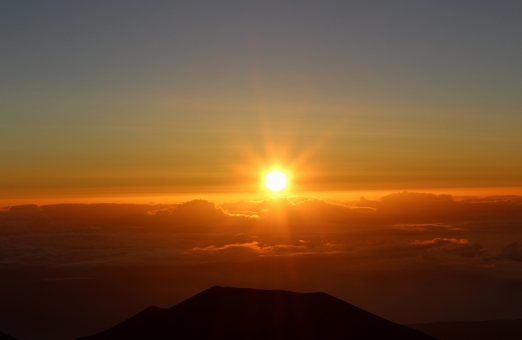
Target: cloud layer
402,225
410,257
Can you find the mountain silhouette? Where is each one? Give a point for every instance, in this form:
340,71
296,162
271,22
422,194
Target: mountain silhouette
251,314
479,330
6,337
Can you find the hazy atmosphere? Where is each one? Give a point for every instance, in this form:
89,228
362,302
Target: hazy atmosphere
159,98
150,150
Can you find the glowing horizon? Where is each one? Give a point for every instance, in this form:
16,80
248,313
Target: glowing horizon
341,105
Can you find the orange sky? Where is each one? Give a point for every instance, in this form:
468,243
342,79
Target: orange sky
171,99
168,198
398,124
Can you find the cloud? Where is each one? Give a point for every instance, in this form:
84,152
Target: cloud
492,199
252,246
414,199
24,208
437,242
399,208
196,211
299,247
399,226
468,250
409,207
407,249
512,252
303,209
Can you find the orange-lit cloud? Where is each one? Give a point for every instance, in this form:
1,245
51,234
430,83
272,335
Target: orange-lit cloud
427,253
401,225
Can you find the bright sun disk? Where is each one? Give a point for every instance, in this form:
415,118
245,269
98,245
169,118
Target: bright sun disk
275,180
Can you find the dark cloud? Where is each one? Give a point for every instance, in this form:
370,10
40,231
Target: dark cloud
88,213
468,250
497,198
512,252
405,207
406,249
408,207
127,234
305,210
24,208
194,211
426,248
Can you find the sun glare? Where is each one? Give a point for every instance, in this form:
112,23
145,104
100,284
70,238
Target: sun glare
275,181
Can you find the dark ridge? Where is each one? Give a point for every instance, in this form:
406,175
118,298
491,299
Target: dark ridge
4,336
480,330
251,314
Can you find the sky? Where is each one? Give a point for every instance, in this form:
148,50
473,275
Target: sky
172,99
135,136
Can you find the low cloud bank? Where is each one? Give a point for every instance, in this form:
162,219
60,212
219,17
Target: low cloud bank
409,257
399,226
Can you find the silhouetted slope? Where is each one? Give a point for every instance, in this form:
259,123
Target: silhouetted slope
238,313
6,337
482,330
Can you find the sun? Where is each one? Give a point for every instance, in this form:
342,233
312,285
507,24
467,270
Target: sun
276,180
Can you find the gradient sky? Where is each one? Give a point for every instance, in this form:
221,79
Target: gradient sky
127,97
112,102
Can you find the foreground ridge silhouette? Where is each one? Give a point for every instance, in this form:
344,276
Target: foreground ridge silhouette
477,330
242,313
4,336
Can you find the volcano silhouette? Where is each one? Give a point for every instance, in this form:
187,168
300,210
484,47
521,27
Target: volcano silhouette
230,313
